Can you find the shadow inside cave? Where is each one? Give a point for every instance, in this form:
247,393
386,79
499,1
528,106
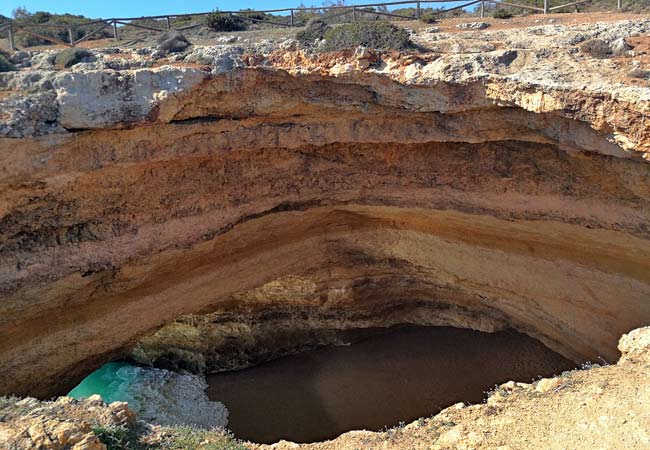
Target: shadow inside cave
397,376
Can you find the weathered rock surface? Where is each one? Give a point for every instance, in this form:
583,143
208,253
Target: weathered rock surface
473,25
64,424
493,190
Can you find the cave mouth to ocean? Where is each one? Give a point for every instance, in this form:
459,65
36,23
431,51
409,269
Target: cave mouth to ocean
382,379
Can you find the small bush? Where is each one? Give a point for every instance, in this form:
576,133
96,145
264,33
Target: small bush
70,57
380,35
25,18
428,18
171,438
172,42
190,438
596,48
6,66
225,22
9,409
254,15
315,29
120,438
502,14
639,73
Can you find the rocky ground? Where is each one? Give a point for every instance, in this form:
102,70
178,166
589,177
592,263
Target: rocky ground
43,97
597,407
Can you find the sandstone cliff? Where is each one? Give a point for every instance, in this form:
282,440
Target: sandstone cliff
496,179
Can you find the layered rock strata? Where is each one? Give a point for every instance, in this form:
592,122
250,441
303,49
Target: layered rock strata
282,193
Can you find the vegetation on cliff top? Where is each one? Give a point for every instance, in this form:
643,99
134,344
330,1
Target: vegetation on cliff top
26,18
5,66
169,438
381,35
225,22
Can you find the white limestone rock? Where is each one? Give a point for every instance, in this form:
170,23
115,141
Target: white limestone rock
108,99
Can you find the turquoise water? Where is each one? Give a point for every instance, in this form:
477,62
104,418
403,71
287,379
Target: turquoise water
155,395
111,381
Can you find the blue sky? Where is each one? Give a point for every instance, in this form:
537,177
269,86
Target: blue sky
134,8
124,8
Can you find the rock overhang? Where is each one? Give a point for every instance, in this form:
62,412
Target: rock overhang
180,191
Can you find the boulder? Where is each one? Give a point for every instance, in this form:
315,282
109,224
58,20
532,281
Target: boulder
473,25
619,47
635,344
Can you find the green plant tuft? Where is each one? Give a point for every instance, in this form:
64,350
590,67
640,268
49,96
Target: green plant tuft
428,18
380,35
120,438
170,438
190,438
39,18
596,48
502,14
71,56
314,30
6,66
225,22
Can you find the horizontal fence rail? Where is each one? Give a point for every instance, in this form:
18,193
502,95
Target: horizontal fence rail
355,11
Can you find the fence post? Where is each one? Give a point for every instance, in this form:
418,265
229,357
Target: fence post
354,14
482,9
169,23
418,11
12,41
620,5
115,35
545,6
291,18
70,36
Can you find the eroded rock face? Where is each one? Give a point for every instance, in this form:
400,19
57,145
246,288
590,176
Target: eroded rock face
299,193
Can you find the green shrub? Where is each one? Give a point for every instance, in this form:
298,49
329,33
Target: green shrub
190,438
254,15
33,20
315,29
6,66
225,22
380,35
411,12
304,17
120,438
71,56
170,438
428,18
502,14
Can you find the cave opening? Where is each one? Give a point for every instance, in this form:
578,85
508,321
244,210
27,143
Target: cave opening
384,380
376,378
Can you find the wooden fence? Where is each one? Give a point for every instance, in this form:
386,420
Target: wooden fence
353,11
